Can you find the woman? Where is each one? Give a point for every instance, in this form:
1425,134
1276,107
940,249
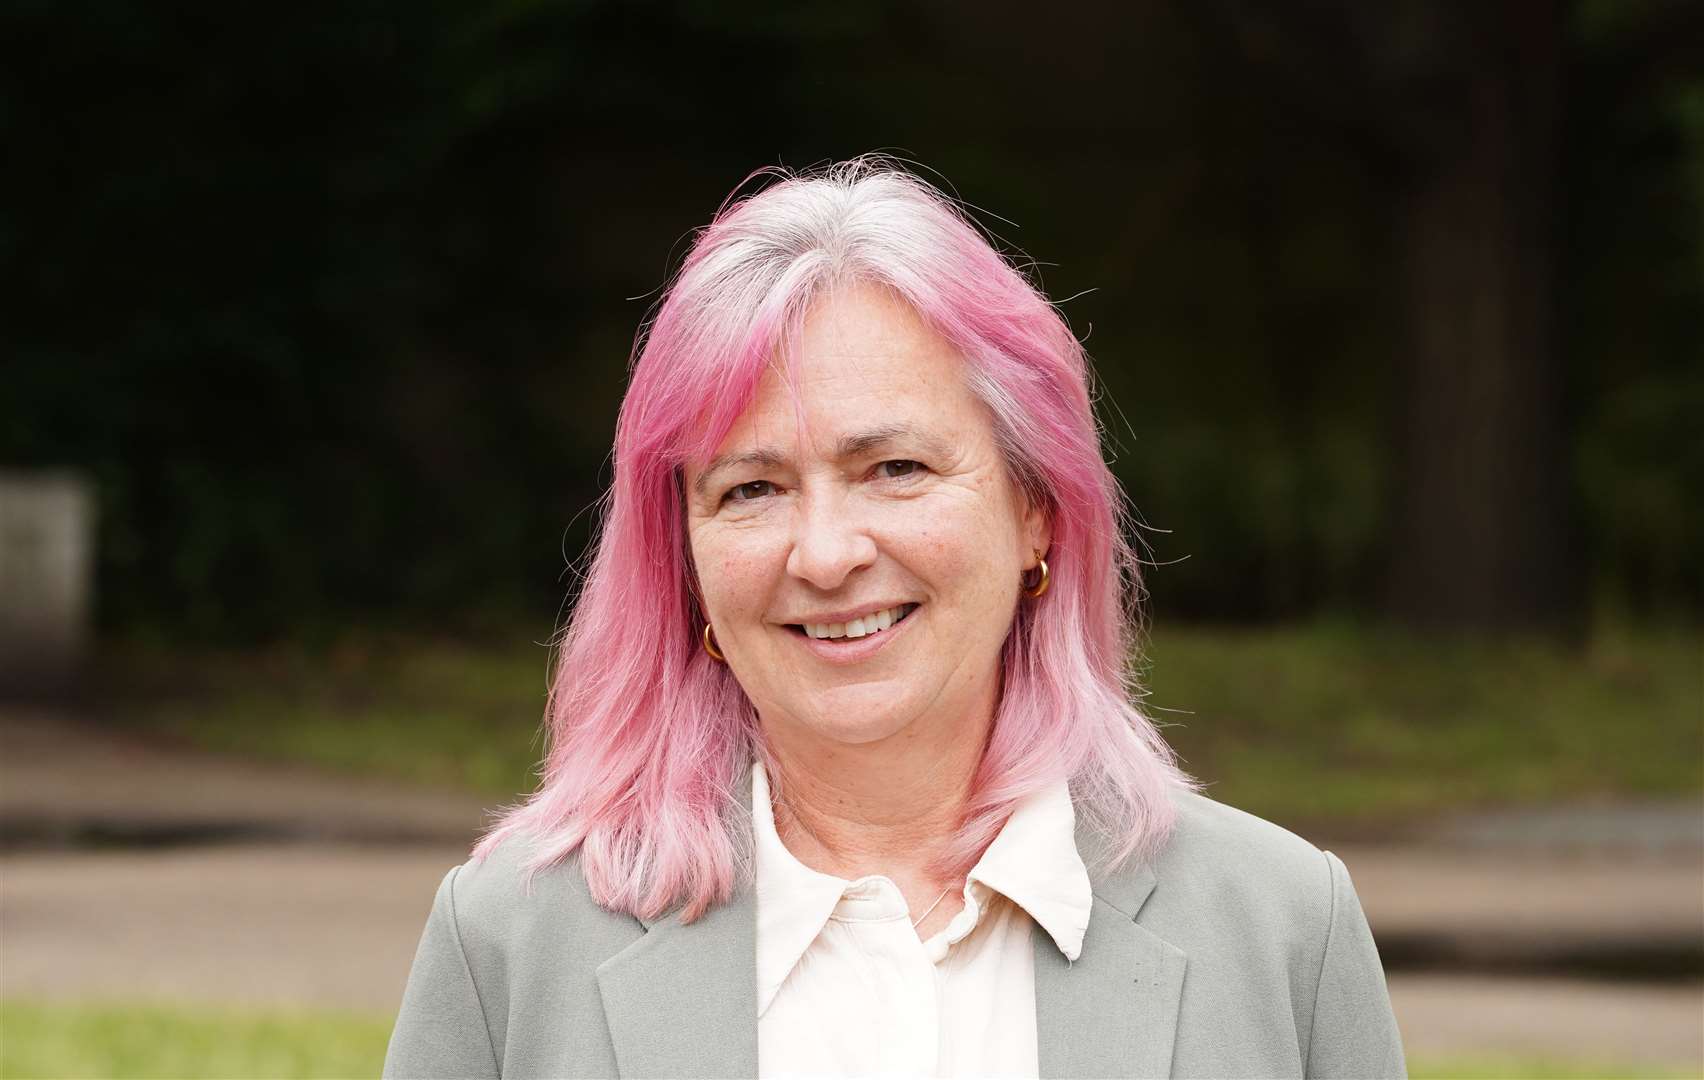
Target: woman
846,776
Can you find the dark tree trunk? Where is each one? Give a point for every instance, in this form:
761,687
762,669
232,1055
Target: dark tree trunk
1481,536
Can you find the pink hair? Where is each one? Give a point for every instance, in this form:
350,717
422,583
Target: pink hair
648,734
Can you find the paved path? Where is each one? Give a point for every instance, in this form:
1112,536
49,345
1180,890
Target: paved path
1626,914
326,924
64,781
1555,1019
318,894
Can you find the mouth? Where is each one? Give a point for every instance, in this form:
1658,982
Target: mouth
874,624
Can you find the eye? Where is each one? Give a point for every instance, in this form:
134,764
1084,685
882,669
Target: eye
894,470
753,489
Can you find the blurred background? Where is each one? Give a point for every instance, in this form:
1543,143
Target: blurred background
319,321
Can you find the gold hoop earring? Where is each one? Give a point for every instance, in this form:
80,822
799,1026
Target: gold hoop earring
1034,591
710,646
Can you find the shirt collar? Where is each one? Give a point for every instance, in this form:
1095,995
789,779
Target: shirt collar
1033,862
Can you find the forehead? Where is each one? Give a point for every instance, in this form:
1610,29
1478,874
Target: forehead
863,358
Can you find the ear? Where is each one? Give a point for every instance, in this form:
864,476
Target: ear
1038,531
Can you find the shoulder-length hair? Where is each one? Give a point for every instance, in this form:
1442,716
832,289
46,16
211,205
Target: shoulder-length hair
647,734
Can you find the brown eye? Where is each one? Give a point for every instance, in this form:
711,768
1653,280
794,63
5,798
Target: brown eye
755,489
898,468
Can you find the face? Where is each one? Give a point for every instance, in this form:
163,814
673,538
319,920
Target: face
862,575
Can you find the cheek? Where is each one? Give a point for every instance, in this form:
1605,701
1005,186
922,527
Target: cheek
965,553
734,570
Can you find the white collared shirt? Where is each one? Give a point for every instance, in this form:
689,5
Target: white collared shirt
846,988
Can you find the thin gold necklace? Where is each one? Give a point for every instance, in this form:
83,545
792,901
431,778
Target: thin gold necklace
932,907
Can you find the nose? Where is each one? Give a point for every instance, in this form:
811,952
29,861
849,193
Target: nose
828,544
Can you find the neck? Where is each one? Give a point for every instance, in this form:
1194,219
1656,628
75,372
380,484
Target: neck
886,807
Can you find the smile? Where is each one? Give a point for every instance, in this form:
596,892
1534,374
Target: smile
873,623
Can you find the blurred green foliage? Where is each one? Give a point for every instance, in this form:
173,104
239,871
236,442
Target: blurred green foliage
1326,722
335,305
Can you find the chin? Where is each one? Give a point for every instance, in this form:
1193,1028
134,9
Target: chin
857,718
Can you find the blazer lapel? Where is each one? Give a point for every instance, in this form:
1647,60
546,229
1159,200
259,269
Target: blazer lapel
1114,1011
682,1000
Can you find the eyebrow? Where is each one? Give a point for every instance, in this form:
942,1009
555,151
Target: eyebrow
854,444
762,457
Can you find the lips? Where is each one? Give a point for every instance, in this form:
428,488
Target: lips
847,651
874,622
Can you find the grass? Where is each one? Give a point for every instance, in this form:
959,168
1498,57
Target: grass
112,1040
1536,1068
1344,723
429,712
124,1040
1324,721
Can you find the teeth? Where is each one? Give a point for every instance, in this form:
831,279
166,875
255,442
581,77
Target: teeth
862,627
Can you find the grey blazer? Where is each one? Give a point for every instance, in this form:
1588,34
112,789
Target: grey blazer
1240,951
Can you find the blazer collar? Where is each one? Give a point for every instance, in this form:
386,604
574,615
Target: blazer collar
682,999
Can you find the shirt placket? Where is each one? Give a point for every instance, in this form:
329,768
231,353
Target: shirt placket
905,1011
